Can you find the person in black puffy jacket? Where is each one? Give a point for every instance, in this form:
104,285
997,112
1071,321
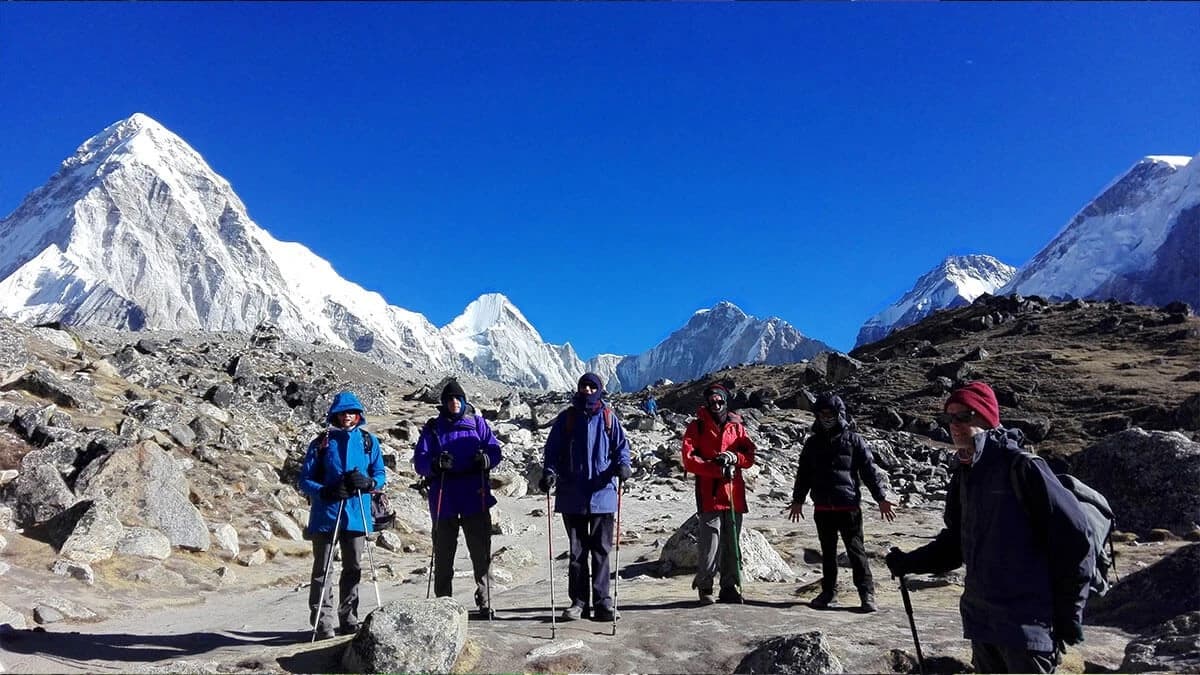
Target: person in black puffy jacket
834,464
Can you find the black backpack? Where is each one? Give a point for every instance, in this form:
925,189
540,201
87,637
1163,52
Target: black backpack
381,508
1101,520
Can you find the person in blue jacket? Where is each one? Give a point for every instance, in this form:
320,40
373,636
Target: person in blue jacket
1028,564
456,451
586,454
342,466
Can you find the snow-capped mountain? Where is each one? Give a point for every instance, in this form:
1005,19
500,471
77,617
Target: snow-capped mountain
137,231
500,342
713,339
1138,241
956,281
605,365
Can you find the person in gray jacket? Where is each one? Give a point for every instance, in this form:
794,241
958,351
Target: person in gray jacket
1028,562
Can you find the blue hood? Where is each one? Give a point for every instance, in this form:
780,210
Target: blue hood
345,401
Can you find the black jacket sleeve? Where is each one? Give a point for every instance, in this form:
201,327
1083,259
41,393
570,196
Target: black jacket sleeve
864,464
944,553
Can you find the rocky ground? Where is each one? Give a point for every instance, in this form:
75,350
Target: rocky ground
149,522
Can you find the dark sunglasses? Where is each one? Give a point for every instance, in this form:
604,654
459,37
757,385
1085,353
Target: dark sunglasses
587,385
959,417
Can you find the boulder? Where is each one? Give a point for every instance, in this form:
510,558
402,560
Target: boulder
76,570
1170,647
148,488
94,534
1149,478
38,494
225,538
45,384
283,525
409,636
144,542
759,560
796,653
1149,596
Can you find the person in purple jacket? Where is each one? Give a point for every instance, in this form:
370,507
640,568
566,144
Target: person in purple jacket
586,454
456,451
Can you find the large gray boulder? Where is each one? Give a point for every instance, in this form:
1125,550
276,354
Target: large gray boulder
1151,595
48,385
796,653
95,534
1149,478
1171,647
759,560
409,636
39,492
148,489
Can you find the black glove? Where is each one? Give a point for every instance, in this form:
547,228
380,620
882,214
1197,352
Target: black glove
897,562
546,484
445,462
727,471
725,459
1068,631
355,481
335,493
482,462
624,471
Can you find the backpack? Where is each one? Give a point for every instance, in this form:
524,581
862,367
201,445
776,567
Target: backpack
569,422
381,508
1099,516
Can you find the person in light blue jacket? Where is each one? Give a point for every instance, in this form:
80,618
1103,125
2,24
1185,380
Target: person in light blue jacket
342,466
586,454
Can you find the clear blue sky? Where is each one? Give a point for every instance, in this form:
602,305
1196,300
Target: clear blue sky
612,168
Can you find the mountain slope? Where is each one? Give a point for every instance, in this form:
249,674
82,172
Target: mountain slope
137,231
955,282
1136,241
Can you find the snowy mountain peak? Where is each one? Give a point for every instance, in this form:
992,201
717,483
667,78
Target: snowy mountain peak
1136,241
956,281
491,310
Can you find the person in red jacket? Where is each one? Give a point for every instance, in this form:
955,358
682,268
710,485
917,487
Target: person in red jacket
716,449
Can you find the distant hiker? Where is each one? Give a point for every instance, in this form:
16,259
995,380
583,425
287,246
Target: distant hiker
341,467
1027,572
585,456
456,451
650,406
834,464
717,449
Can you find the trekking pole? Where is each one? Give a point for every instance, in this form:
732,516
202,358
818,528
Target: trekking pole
433,535
550,562
737,544
617,569
485,480
367,541
912,624
328,564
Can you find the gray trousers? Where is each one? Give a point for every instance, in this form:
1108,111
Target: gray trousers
477,529
717,550
320,593
992,658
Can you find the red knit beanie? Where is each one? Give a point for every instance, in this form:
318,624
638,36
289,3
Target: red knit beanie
978,396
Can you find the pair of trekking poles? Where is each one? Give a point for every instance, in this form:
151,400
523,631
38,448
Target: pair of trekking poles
333,542
485,478
550,561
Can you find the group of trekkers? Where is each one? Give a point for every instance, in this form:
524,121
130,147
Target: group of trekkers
1027,556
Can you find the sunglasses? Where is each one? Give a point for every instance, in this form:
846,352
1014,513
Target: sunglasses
588,386
956,418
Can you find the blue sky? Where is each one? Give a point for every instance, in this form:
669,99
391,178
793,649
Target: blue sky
612,168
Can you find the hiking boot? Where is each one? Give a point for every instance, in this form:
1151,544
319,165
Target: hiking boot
706,598
348,629
731,595
325,633
483,613
868,602
822,601
573,613
605,614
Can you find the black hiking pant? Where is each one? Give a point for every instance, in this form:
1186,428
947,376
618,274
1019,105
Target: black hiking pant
591,538
477,530
848,524
993,658
320,593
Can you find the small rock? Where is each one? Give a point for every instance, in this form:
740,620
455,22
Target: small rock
44,615
554,649
77,570
253,558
